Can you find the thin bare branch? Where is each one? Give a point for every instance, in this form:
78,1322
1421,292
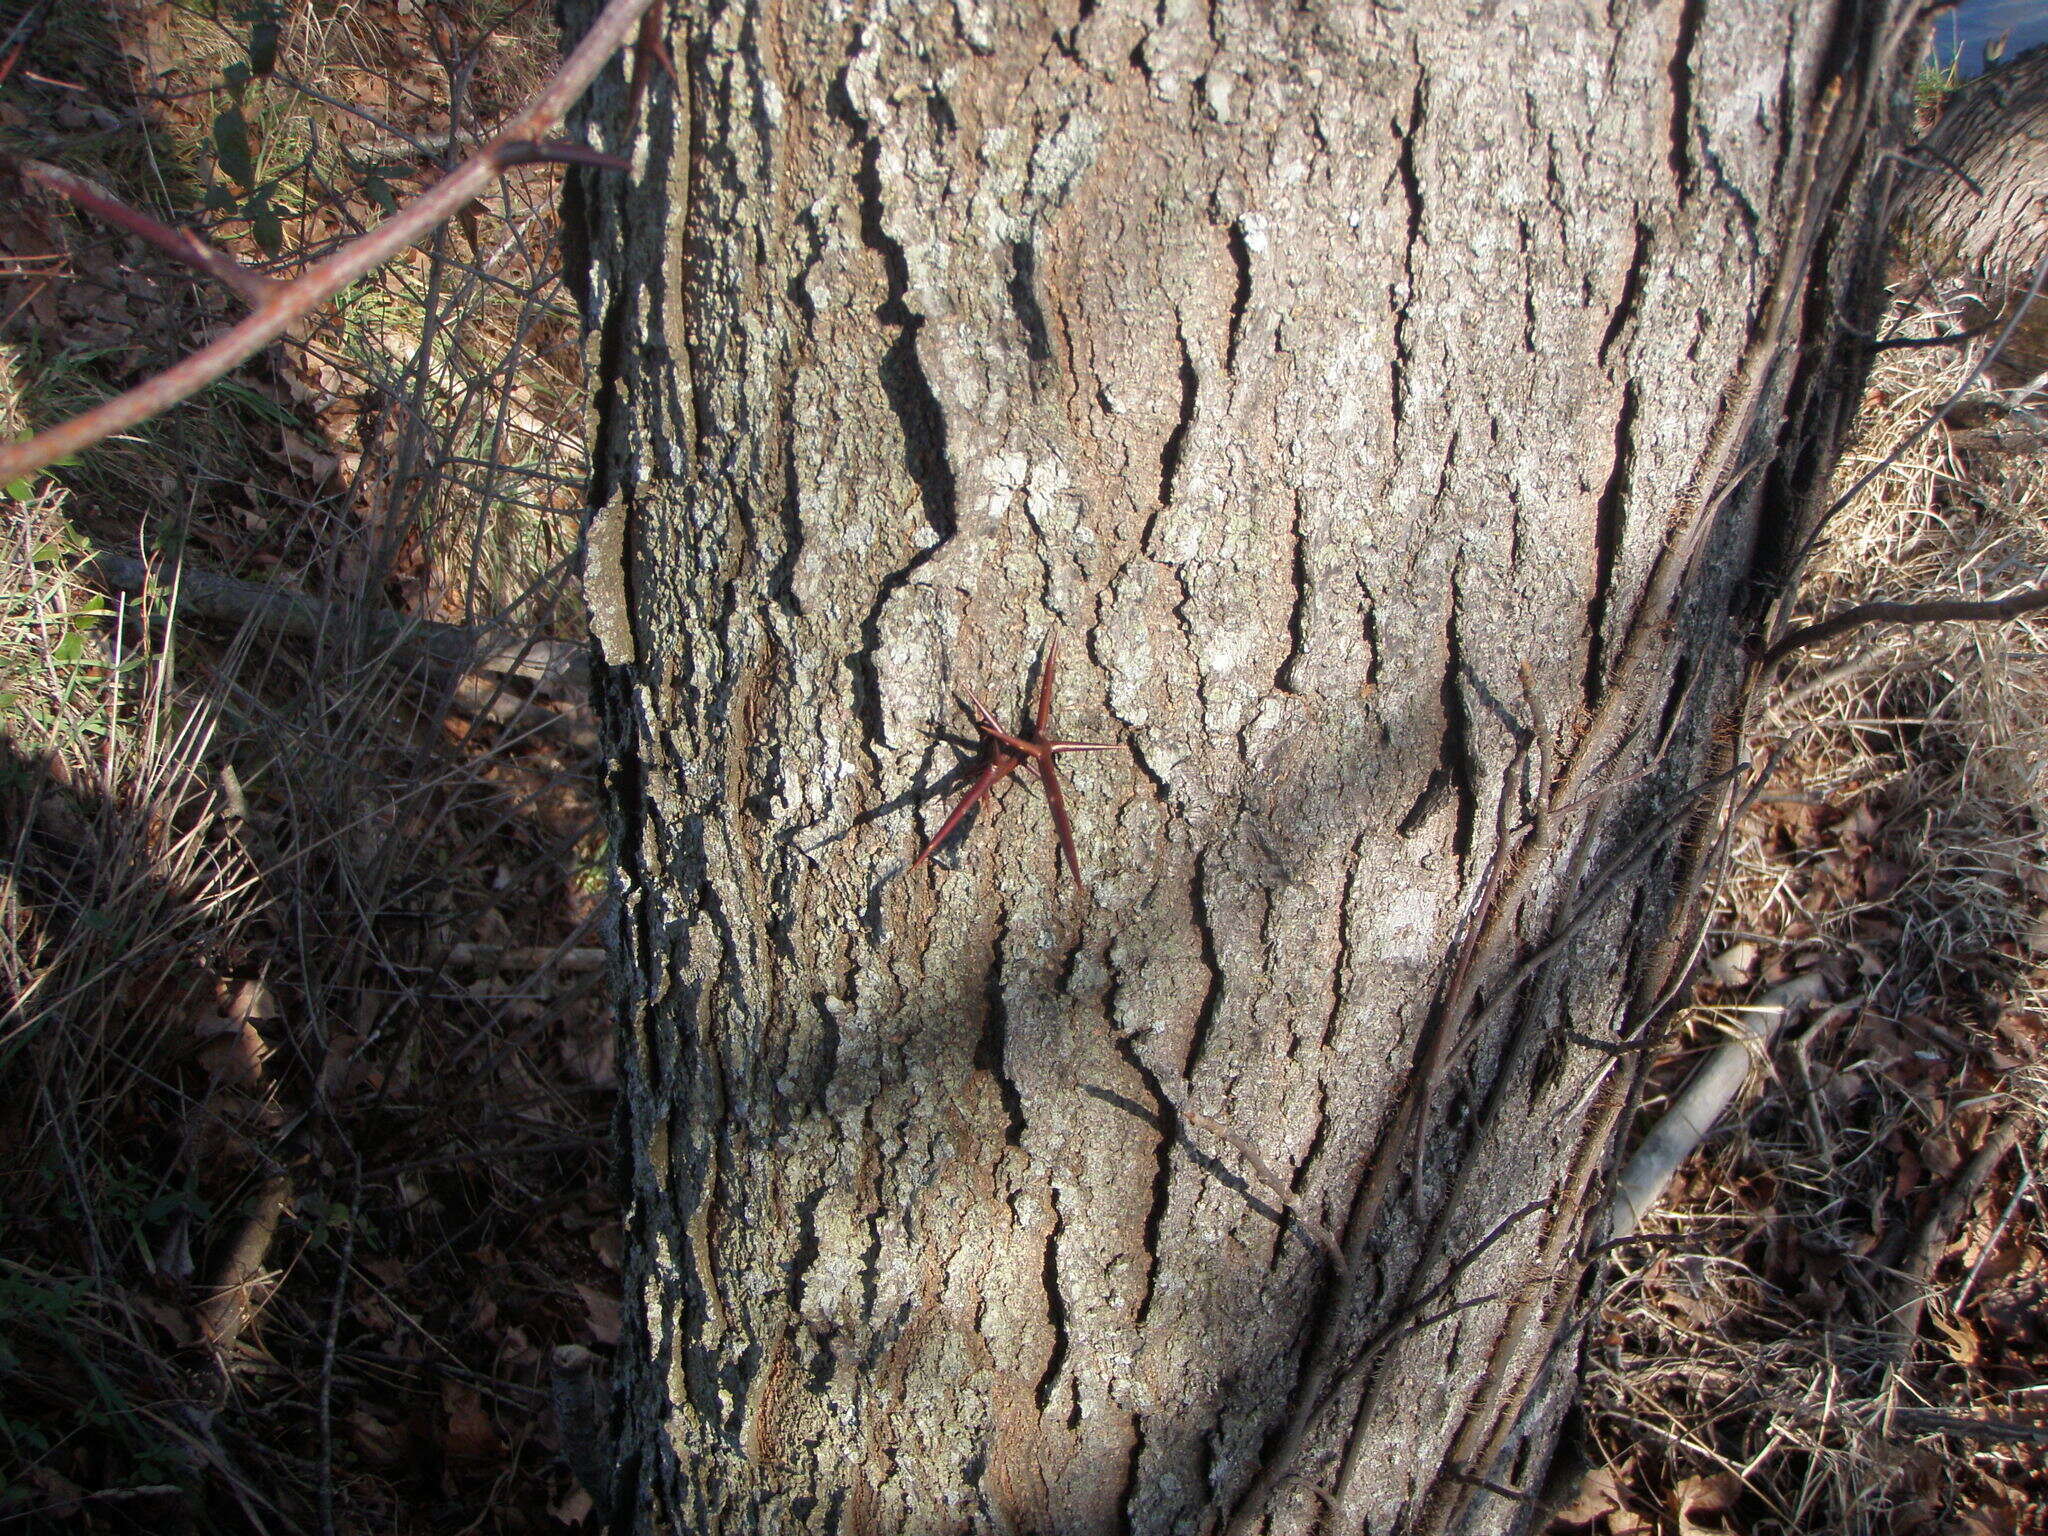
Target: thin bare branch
291,300
2011,606
183,244
208,596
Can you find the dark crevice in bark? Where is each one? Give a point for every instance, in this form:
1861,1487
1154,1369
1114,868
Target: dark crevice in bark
1434,788
806,1253
1169,455
1369,623
1024,300
871,1276
1126,1502
828,1044
1411,194
1212,996
917,411
1241,258
1528,290
1055,1316
1680,148
1167,1124
1674,700
1340,971
1458,746
736,1380
1283,675
1318,1138
994,1043
733,971
1608,519
782,579
1631,292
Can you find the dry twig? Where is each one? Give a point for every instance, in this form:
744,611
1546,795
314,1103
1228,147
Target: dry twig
207,596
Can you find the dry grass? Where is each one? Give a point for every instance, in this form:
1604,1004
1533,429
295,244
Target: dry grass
304,1065
1769,1356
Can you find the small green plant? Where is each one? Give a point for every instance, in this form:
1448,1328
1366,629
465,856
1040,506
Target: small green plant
247,193
1937,81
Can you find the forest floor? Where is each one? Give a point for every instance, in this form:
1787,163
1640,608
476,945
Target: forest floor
306,1069
1835,1322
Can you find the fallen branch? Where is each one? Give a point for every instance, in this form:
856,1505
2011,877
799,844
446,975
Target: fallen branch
208,597
238,1288
532,958
1806,636
1912,1421
1695,1111
284,303
1963,1426
1916,1271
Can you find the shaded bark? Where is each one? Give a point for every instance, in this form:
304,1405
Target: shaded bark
1402,419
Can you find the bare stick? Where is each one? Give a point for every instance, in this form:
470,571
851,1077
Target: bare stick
1931,1242
1696,1111
288,301
205,595
327,1342
181,243
2031,600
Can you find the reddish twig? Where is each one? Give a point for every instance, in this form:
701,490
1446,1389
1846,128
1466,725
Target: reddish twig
286,302
20,35
181,243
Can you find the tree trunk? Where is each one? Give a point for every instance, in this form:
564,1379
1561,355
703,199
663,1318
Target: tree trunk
1979,202
1388,409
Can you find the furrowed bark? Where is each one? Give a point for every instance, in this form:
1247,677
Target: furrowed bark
1402,420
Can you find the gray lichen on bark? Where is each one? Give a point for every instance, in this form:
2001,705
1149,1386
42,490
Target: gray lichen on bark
1352,388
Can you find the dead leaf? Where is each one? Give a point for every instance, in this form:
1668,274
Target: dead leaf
1702,1505
255,1003
470,1435
605,1321
1960,1339
2037,933
382,1445
574,1508
1735,966
1598,1493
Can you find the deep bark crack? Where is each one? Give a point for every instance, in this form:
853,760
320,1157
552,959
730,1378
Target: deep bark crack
1608,529
918,412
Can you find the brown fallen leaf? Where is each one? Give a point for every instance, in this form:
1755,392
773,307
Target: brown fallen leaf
1598,1494
605,1321
470,1435
1703,1506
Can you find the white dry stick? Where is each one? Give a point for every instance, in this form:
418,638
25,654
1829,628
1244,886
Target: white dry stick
238,1288
1694,1113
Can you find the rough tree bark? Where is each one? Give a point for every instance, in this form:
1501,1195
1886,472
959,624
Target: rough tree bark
1979,203
1402,414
